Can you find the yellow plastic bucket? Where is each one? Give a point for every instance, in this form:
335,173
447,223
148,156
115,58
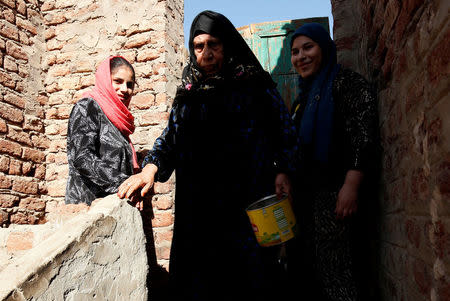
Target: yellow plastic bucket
273,220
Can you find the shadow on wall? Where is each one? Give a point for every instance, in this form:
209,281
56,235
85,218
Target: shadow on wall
157,278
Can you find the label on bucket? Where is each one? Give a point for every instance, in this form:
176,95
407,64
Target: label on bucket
272,220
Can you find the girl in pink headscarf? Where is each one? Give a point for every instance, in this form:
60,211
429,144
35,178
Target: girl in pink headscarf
100,153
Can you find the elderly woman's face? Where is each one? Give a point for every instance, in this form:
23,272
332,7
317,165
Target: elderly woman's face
209,53
306,56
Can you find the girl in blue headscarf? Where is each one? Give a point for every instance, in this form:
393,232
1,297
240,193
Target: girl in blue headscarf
335,114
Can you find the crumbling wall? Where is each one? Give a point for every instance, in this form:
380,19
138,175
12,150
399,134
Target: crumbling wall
22,114
404,46
49,51
96,255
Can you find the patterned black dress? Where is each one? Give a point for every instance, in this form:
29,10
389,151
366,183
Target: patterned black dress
226,139
325,240
100,157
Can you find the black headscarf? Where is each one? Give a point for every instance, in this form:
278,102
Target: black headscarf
239,60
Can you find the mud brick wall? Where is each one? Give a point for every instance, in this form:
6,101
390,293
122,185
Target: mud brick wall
23,142
402,46
49,51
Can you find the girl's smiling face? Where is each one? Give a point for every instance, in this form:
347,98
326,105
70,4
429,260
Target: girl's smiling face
306,56
123,83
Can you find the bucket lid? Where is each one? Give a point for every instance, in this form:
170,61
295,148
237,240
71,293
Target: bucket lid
265,202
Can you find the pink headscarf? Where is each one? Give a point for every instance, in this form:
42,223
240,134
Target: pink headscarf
116,111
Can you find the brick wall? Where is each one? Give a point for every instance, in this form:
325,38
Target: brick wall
49,52
22,114
403,48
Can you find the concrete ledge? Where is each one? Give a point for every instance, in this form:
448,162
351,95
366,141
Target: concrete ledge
99,254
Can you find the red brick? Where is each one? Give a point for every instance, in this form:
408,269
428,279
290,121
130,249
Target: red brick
59,70
3,126
58,113
4,164
137,41
346,43
54,44
142,101
443,290
163,202
438,61
9,3
48,5
33,204
25,186
15,51
10,113
21,7
147,55
8,200
15,100
49,33
163,252
164,236
10,64
390,14
15,167
24,39
19,86
32,123
26,168
5,182
388,61
161,98
443,178
40,141
42,99
54,19
9,16
8,30
422,274
440,236
57,145
11,148
420,185
58,158
154,118
39,172
24,71
157,68
6,80
415,94
19,241
56,188
27,25
4,217
22,137
162,219
33,155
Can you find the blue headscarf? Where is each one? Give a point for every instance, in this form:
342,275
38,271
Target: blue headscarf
317,122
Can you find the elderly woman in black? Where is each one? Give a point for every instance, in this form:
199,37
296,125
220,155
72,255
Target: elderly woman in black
229,137
335,114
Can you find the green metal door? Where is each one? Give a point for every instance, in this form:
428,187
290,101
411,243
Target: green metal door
270,43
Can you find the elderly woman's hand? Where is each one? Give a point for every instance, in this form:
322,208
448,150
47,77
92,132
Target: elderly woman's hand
283,186
141,181
347,204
